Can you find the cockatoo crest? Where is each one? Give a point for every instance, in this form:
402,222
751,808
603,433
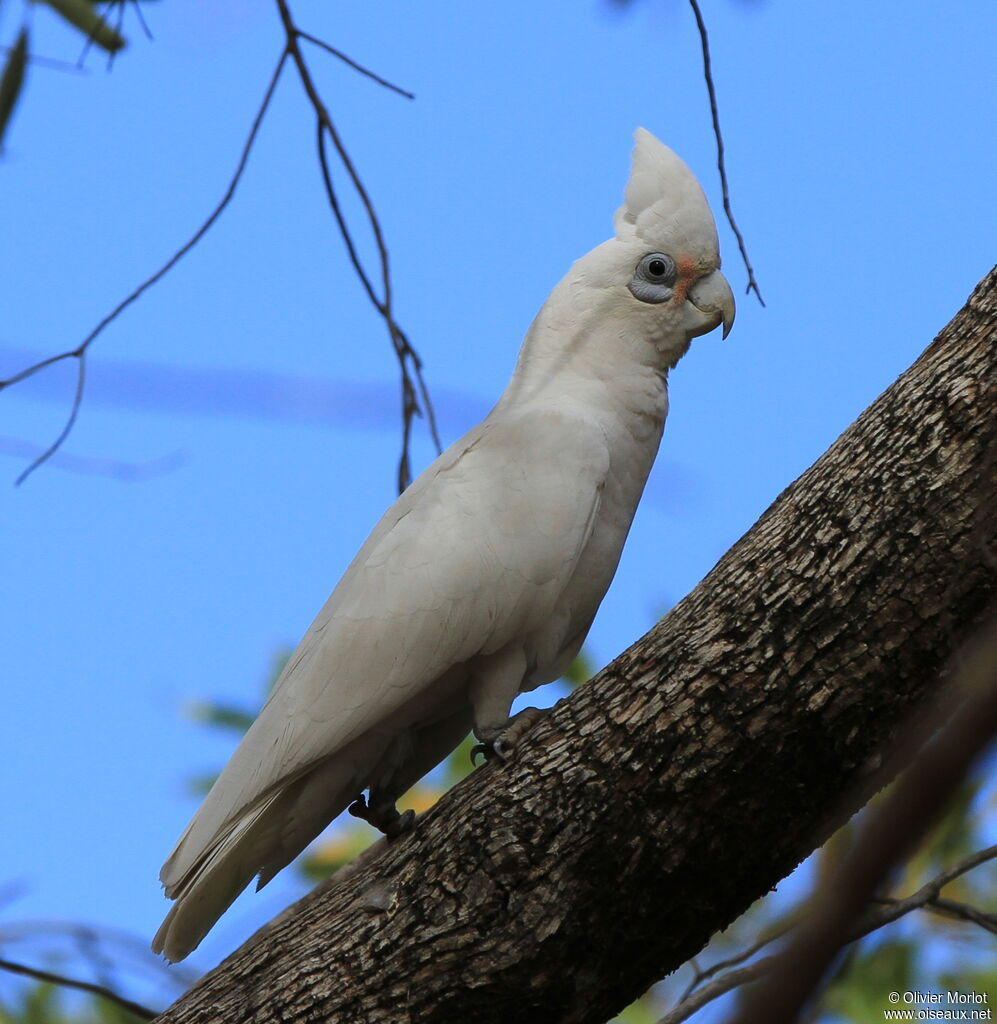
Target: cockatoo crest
663,201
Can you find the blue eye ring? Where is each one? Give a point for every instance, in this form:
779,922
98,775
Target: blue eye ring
654,277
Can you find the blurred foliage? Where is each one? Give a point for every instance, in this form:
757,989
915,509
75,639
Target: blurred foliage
43,1003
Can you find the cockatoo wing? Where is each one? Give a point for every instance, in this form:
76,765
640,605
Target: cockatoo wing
472,556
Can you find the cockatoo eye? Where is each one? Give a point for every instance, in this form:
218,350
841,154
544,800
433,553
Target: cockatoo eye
653,278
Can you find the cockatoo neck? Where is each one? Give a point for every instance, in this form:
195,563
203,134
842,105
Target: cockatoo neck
593,339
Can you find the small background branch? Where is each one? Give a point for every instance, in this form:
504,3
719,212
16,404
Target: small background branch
82,986
415,399
721,162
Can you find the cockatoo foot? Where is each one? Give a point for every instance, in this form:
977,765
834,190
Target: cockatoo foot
498,744
385,817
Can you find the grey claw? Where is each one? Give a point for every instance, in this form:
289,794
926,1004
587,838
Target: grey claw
384,817
493,751
359,808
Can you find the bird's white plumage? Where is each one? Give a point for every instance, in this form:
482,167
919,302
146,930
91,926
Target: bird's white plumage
482,579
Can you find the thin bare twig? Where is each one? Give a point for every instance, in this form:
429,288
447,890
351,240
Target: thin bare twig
929,893
322,44
926,898
114,947
79,353
70,420
715,989
50,62
708,75
415,395
964,912
84,986
141,19
735,960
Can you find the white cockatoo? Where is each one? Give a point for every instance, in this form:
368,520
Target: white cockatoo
482,580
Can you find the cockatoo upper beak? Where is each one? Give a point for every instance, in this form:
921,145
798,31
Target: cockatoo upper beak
712,294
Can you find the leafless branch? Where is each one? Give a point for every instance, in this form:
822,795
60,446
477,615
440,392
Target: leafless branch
70,420
141,18
322,44
415,396
103,948
715,989
50,62
891,830
83,986
926,898
701,976
79,353
721,166
964,912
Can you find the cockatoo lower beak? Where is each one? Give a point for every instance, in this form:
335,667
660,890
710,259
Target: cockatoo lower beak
712,294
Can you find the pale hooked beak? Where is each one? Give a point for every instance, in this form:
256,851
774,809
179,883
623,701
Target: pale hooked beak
712,294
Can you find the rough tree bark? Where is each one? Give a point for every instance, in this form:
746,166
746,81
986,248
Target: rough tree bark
653,806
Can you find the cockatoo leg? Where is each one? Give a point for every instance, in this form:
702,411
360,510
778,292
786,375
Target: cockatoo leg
495,681
500,746
383,815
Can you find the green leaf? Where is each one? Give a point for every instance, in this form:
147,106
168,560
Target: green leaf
12,80
198,785
223,716
580,670
858,992
81,14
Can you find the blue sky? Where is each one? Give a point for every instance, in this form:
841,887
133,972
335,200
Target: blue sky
260,387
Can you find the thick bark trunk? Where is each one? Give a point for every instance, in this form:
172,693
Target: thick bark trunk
660,800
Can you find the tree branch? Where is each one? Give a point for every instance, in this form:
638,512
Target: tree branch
721,163
415,395
79,353
892,830
926,898
964,912
83,986
656,803
323,45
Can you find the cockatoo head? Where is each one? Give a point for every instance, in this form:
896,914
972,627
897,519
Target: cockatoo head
667,229
641,297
